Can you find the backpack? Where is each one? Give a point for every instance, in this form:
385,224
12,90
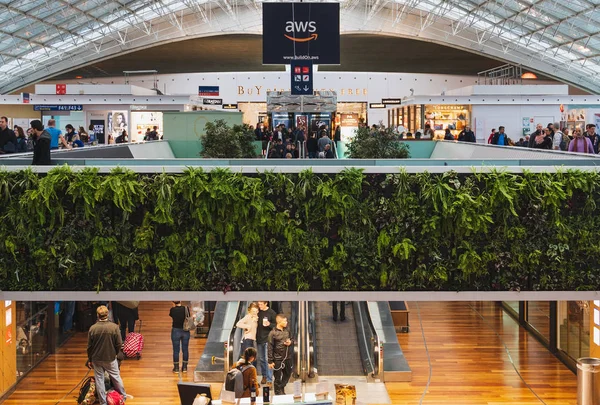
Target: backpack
87,392
234,381
564,142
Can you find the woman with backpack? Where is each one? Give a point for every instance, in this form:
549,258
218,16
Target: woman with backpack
248,371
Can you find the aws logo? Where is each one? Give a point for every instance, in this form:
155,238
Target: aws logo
302,28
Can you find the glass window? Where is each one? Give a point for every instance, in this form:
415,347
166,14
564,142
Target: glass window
574,328
538,316
32,334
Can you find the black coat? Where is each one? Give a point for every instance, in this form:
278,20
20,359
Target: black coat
41,152
467,136
497,136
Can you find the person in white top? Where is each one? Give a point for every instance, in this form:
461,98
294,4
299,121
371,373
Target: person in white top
558,135
249,323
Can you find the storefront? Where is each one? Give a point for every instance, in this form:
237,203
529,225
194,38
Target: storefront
570,329
142,121
439,117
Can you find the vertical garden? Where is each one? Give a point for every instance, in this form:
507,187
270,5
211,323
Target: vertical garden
222,231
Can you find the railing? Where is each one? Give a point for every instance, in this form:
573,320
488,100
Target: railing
268,149
371,347
502,75
335,154
232,348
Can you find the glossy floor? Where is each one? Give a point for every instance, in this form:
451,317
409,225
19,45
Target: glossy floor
477,353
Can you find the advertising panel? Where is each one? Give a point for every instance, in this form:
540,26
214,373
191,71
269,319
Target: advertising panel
301,31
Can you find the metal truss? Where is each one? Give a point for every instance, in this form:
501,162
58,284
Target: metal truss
40,38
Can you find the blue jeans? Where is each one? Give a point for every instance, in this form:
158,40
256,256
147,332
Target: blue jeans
246,343
262,361
112,367
180,339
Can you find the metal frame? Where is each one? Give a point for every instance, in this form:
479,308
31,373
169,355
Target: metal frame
41,38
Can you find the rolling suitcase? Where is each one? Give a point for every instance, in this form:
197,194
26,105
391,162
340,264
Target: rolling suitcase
134,344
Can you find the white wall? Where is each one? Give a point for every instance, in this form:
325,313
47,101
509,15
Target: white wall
350,86
486,117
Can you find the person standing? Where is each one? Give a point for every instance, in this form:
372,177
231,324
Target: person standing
266,322
104,342
250,324
334,305
8,139
593,136
580,143
43,140
55,133
249,371
280,354
500,138
466,135
179,337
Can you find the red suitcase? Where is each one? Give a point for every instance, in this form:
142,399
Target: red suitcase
134,344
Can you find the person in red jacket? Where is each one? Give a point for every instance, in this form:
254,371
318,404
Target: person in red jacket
491,135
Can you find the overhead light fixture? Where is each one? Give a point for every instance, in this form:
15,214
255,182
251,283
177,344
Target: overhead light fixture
528,75
78,77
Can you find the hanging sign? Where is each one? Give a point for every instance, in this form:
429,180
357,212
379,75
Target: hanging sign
301,31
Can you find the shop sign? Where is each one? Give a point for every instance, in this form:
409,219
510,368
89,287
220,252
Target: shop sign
138,107
301,31
447,107
208,91
230,106
25,98
301,77
349,120
212,101
376,105
61,89
393,101
46,107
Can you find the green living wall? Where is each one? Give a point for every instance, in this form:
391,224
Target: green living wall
227,231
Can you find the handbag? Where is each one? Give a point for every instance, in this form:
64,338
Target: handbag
188,323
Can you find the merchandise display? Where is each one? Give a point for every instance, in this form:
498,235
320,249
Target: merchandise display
142,120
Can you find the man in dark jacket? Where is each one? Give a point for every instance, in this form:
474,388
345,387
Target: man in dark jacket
500,137
104,342
8,139
466,135
280,354
266,323
41,150
594,137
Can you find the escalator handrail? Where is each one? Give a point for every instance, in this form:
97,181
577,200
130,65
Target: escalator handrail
335,154
268,149
229,360
360,315
311,356
377,346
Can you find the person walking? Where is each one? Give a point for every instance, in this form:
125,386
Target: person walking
104,342
266,322
41,150
250,324
280,354
580,143
334,305
179,337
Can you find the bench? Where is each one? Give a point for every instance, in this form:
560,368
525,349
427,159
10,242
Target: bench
400,312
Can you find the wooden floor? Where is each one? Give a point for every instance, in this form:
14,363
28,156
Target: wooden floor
470,364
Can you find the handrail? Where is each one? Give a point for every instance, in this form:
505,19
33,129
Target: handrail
300,358
230,345
377,348
335,154
299,149
304,155
311,358
268,149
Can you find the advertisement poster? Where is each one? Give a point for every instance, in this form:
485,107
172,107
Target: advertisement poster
348,126
320,121
98,132
281,118
116,124
301,120
302,31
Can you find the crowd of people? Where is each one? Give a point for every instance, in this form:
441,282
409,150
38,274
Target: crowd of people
284,143
552,137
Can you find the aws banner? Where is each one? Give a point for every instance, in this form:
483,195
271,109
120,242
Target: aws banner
301,31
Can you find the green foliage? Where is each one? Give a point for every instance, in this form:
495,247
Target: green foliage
82,230
377,144
222,141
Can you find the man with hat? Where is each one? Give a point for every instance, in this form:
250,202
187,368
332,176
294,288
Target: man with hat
41,150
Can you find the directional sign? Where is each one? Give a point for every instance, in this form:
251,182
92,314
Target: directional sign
302,77
46,107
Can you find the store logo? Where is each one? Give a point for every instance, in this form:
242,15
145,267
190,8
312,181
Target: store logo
303,28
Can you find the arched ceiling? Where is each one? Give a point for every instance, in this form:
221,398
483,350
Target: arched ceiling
42,38
243,53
